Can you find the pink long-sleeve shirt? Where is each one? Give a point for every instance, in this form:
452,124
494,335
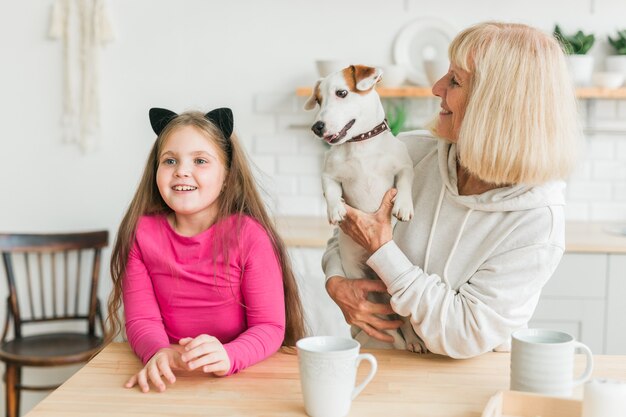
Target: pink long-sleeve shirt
174,289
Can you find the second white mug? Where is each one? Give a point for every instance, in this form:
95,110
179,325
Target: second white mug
542,361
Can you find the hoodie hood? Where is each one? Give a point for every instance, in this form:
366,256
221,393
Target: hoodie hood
511,198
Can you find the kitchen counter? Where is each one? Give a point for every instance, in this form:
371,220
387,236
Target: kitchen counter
588,237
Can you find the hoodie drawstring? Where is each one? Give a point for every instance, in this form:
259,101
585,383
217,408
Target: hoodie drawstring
433,227
432,234
456,243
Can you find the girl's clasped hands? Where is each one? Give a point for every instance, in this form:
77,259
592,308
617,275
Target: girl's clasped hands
202,352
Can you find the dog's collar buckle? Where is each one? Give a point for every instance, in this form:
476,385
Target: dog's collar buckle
374,132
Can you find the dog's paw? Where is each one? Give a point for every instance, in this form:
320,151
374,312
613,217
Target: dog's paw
336,213
403,209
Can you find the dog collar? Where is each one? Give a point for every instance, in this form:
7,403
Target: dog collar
368,135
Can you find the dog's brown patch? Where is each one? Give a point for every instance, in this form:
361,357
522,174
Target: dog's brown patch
315,98
317,95
355,73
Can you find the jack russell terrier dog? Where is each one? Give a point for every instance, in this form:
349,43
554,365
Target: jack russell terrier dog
364,161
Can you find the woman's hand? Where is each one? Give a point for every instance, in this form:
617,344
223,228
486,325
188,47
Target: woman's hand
160,364
351,297
207,352
371,231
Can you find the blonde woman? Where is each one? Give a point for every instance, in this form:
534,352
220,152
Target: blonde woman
488,192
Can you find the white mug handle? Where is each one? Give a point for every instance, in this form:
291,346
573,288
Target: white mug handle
585,376
494,406
373,367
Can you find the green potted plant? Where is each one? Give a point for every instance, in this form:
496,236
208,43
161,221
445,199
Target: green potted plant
619,43
576,47
617,61
396,117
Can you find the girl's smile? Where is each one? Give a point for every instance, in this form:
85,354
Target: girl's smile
184,188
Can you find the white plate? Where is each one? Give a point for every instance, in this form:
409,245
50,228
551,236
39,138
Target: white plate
424,38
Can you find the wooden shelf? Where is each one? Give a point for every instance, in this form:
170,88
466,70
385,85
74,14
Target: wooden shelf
601,93
425,92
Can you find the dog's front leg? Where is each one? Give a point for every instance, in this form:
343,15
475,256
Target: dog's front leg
403,204
334,203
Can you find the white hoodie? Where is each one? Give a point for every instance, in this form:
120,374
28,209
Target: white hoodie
466,271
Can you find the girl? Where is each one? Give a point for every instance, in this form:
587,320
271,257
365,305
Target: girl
203,275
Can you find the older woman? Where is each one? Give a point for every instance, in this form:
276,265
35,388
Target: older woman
488,233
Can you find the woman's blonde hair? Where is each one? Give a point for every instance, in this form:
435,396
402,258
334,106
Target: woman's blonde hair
521,124
240,197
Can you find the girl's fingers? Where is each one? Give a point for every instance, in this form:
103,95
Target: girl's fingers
155,377
197,341
142,380
199,350
218,368
207,359
166,370
185,340
131,382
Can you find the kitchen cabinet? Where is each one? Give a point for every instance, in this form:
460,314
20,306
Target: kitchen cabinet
574,299
585,297
616,306
322,316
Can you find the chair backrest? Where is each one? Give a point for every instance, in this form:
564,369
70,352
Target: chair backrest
48,273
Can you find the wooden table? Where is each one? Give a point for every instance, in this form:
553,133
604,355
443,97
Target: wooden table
406,385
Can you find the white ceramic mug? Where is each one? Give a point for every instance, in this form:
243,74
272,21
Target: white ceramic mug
542,361
328,367
604,398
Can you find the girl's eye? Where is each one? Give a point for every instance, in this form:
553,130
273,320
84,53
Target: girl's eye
200,161
341,93
169,161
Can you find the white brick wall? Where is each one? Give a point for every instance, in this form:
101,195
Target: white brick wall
597,190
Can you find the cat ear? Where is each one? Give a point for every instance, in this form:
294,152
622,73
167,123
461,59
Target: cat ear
159,118
223,119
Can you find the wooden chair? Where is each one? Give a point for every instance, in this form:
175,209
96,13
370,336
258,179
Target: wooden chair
52,278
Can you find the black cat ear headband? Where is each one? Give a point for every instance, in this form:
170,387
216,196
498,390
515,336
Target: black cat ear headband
222,118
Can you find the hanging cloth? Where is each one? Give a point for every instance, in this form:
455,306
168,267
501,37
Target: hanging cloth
83,26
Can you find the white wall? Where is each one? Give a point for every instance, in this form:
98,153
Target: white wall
248,55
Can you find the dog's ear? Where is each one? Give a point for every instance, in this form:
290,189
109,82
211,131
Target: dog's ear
366,77
314,99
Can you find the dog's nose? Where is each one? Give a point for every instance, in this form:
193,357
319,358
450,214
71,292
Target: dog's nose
318,128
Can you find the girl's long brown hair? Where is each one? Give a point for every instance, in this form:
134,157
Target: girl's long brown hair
240,197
